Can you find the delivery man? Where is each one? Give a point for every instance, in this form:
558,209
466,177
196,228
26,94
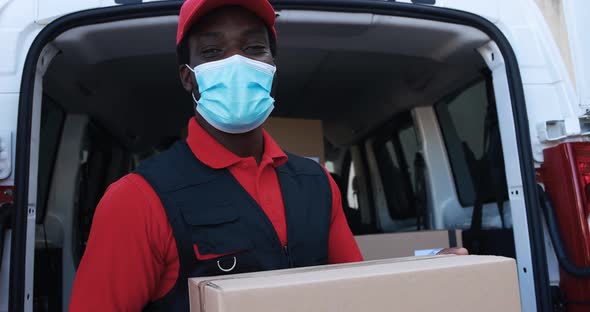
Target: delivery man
227,199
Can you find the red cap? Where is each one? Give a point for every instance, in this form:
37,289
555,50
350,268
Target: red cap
192,10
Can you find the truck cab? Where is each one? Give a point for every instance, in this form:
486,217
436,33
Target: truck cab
467,118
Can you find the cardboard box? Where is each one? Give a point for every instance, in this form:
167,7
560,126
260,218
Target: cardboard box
442,283
303,137
396,245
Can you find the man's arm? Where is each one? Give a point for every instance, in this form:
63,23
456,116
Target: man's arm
124,257
342,246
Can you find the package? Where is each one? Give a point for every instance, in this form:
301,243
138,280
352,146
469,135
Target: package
406,244
303,137
440,283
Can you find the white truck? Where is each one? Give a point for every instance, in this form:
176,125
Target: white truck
437,115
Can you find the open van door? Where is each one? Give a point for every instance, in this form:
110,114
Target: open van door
564,172
568,25
8,116
576,19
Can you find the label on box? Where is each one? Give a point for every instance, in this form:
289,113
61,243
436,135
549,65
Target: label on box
427,252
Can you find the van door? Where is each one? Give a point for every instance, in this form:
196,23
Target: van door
577,23
6,208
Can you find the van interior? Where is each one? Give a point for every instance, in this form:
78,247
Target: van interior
410,131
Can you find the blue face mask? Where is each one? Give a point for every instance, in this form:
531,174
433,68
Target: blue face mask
235,93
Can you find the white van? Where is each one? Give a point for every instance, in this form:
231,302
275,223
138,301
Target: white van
436,115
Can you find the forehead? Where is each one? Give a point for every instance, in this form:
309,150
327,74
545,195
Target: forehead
229,21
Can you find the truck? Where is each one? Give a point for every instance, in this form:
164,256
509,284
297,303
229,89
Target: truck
436,115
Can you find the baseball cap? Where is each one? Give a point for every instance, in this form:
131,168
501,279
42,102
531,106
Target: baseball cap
192,10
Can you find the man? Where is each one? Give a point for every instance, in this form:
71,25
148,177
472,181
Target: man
228,199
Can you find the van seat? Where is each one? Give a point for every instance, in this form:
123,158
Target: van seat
353,216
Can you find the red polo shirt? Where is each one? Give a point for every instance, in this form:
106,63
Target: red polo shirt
131,257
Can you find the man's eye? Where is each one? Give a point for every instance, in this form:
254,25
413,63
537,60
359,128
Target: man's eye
209,52
256,49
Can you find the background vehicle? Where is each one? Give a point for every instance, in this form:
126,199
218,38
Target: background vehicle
436,115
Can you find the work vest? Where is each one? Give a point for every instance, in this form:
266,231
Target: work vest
210,211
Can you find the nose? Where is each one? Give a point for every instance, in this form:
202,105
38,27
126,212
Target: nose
234,51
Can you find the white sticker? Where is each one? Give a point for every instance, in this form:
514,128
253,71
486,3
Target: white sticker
427,252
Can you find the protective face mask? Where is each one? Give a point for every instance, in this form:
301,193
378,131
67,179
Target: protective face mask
235,93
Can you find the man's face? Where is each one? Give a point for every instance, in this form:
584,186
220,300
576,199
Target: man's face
224,33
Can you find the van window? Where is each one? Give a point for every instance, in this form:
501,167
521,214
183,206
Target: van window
396,154
462,122
356,194
409,146
351,190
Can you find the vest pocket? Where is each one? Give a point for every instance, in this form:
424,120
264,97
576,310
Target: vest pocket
234,263
216,230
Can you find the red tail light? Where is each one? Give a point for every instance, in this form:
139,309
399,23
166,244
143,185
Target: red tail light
566,175
581,155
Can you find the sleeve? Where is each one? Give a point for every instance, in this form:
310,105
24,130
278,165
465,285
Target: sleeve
342,246
125,253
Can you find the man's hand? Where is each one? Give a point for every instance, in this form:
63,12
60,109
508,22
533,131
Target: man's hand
454,251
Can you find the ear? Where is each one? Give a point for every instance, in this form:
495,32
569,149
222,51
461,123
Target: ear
187,78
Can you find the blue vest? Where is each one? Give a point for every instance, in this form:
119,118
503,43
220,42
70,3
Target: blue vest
210,209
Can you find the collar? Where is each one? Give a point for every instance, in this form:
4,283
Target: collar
216,156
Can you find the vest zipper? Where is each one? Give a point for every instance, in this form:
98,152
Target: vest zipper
286,250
